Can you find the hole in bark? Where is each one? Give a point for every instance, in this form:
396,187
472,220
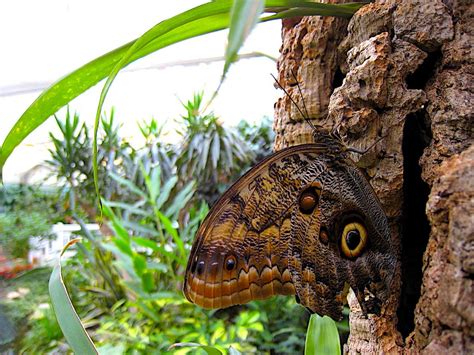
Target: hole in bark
419,78
337,79
415,225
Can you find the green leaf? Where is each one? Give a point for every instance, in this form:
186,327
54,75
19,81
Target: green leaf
232,351
139,263
126,206
180,200
117,225
322,336
123,246
165,192
128,184
210,350
148,281
68,319
171,231
146,243
245,14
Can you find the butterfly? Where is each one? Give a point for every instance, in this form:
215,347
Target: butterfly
303,222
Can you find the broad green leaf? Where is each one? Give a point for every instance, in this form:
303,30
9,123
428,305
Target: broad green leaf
148,281
68,320
154,182
204,153
322,336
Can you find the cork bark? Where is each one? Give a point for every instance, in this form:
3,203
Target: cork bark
399,75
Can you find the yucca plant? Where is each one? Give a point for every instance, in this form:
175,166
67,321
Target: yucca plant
156,151
70,157
210,152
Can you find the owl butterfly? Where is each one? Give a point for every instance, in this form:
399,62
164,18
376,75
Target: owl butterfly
302,222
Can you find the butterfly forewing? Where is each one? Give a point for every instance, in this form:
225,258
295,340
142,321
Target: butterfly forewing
240,252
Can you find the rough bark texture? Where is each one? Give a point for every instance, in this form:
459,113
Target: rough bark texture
408,81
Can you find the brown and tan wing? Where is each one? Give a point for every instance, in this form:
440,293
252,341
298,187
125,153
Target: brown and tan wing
240,252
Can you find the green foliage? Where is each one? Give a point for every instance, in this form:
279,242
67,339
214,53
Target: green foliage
168,319
284,331
258,137
71,159
31,312
209,152
28,198
16,228
26,211
45,334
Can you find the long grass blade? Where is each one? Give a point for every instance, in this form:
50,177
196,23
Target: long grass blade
68,319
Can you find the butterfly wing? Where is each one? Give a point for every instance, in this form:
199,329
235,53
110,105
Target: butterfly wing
240,252
301,222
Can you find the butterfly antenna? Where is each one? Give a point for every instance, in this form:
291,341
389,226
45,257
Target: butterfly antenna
294,103
362,152
301,93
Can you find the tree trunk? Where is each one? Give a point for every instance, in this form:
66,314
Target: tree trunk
399,73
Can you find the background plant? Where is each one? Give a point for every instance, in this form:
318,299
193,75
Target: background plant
209,152
126,281
25,211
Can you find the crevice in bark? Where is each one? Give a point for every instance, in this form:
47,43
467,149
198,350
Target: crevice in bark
415,225
419,78
337,79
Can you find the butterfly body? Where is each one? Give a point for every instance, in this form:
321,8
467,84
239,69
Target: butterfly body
303,222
